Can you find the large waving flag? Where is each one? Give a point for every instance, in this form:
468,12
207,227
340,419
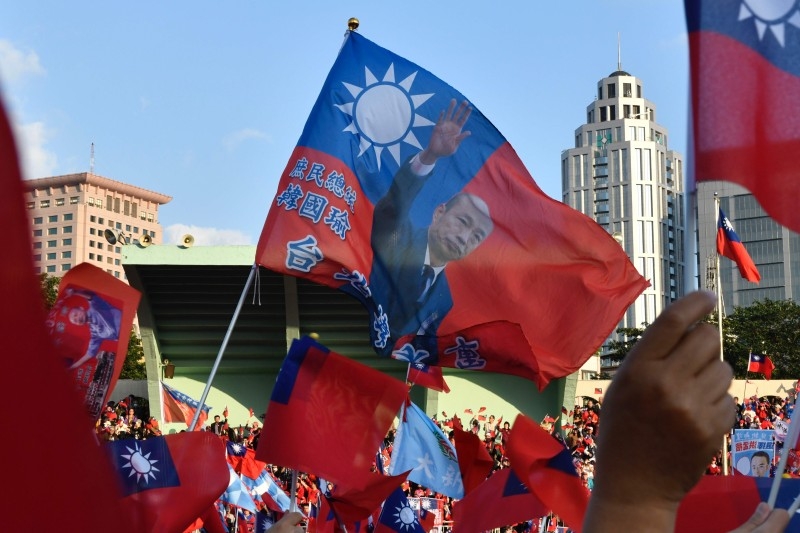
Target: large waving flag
167,482
73,465
421,447
545,466
356,505
179,407
730,245
323,400
418,207
501,499
745,77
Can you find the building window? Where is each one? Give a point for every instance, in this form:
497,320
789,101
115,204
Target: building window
99,203
100,258
116,262
600,92
92,231
101,221
126,208
51,256
116,205
626,90
66,242
52,231
73,199
128,228
133,209
52,244
59,201
38,220
65,267
90,201
92,218
31,205
52,218
612,90
143,215
37,233
91,244
67,229
37,245
91,256
37,257
67,216
116,274
51,269
44,203
118,250
149,217
67,254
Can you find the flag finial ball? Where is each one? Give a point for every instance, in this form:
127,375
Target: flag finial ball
314,335
352,24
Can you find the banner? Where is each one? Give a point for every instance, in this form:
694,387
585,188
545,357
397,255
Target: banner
90,325
403,195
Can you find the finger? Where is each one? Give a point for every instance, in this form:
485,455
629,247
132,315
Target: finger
756,519
293,518
661,337
450,109
696,350
463,113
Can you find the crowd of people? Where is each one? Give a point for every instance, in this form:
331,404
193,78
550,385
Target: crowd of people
673,384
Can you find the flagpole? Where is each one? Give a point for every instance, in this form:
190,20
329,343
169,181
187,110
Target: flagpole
718,287
247,284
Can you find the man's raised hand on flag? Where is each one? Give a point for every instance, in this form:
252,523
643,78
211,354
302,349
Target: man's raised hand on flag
447,133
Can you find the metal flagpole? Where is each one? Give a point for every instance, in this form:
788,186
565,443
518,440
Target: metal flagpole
718,287
247,284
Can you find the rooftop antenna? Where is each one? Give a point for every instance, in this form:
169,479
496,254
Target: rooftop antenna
619,53
91,160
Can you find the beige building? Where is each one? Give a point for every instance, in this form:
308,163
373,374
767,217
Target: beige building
69,216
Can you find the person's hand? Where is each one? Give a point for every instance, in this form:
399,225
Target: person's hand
672,389
447,134
289,523
765,520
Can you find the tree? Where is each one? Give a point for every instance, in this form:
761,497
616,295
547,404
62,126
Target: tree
624,342
771,327
134,367
49,286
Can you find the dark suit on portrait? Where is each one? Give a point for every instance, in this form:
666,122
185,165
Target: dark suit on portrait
399,250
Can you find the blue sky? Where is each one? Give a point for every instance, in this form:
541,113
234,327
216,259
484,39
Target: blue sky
204,101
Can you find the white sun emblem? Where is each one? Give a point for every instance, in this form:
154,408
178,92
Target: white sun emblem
771,14
141,465
384,113
405,518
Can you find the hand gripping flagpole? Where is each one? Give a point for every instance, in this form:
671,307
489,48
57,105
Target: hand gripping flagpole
247,284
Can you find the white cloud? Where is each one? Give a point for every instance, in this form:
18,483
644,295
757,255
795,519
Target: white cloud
16,65
205,236
232,140
35,159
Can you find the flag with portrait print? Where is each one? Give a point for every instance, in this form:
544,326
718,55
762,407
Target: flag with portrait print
537,265
745,84
90,325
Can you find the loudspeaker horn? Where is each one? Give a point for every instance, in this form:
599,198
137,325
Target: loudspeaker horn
187,241
110,237
145,241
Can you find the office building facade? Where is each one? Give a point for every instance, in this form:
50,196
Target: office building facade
69,216
774,249
622,173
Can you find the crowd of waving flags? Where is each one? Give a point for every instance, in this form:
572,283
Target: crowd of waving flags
508,301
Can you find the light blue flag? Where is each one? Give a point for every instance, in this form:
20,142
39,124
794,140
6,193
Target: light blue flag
264,484
420,446
237,493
